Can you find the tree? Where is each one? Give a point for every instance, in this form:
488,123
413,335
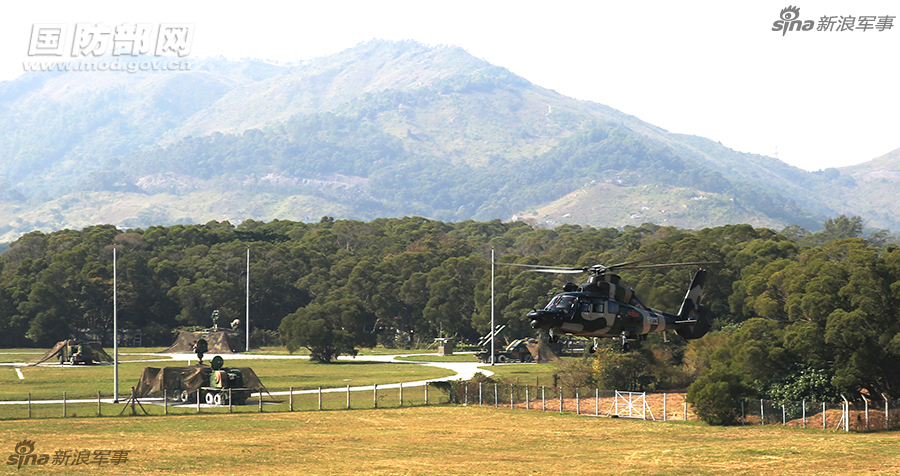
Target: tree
716,396
328,330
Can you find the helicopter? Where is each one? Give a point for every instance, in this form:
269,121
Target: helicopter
604,307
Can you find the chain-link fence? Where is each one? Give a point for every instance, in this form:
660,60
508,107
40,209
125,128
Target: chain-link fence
865,415
858,416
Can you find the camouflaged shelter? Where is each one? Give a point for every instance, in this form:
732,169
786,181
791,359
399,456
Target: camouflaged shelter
221,341
177,379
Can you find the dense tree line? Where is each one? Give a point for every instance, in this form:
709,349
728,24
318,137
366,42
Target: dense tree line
798,314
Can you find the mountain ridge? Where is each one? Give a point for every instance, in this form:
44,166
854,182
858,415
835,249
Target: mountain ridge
421,130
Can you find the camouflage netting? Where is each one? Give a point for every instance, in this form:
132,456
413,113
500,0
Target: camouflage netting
541,351
97,352
222,341
175,379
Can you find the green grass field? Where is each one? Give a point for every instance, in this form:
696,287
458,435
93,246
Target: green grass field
447,440
83,381
411,436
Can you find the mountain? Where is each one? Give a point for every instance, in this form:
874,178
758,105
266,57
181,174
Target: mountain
381,129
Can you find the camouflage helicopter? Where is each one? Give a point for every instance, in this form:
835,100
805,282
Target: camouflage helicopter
603,307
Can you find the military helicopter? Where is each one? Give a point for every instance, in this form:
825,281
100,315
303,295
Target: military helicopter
603,307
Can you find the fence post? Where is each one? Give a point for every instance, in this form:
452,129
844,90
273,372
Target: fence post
684,412
823,417
29,404
320,398
847,414
100,411
783,415
480,400
198,400
260,400
577,402
401,394
466,395
543,401
526,397
560,400
426,392
64,405
596,402
290,399
742,412
887,415
165,402
762,413
348,395
867,411
511,396
229,401
375,396
496,397
664,407
804,413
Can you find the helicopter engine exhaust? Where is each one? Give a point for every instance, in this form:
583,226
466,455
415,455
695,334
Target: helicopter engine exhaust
694,320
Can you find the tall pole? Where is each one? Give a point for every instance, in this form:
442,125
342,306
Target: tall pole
115,333
247,318
492,306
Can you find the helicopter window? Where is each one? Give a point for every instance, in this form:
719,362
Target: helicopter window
562,302
584,306
598,307
613,307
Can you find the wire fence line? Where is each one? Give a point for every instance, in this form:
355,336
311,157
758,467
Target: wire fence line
842,416
845,416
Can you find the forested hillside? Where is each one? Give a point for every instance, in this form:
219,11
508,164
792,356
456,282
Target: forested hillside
384,129
785,304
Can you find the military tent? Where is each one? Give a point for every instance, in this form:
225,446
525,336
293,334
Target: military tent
64,350
174,380
220,341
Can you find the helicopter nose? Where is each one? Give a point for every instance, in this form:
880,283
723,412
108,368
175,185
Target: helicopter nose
542,319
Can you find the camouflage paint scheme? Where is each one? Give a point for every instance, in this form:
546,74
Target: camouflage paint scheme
602,307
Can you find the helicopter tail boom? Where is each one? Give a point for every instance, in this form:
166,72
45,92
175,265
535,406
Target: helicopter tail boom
693,318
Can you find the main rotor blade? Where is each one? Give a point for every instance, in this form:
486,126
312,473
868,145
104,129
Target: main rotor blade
536,268
669,265
600,269
558,271
543,266
639,260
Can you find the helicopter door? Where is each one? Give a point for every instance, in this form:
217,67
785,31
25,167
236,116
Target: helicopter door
595,311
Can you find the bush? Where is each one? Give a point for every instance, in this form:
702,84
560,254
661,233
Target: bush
630,371
717,394
574,373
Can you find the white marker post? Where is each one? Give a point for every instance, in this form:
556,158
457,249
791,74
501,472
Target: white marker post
115,335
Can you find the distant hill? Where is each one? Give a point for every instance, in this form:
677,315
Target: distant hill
381,129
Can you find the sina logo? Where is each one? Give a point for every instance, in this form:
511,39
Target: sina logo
790,21
25,455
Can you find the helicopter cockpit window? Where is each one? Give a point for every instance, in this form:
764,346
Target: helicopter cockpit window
584,306
562,302
598,307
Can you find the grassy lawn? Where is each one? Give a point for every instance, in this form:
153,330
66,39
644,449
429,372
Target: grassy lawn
49,382
447,440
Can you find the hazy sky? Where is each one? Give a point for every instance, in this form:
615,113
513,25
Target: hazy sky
716,69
